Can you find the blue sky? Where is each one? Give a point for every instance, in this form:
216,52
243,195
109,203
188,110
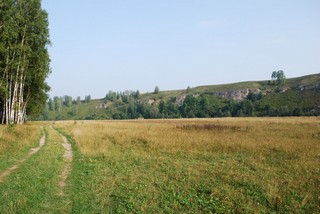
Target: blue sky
102,45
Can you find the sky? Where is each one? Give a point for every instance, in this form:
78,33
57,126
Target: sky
118,45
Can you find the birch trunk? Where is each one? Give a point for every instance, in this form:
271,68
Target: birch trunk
15,107
21,79
20,101
24,108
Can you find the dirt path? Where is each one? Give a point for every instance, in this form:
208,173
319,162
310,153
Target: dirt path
67,157
33,151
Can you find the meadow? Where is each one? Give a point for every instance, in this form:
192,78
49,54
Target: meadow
227,165
200,165
16,141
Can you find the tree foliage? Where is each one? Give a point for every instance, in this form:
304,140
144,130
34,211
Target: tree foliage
78,100
87,98
278,77
24,59
67,101
156,90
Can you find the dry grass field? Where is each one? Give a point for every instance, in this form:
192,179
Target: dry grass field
16,142
200,165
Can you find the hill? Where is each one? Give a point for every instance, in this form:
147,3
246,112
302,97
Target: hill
296,97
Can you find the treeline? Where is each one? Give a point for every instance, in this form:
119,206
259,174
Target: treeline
133,105
125,96
57,103
202,106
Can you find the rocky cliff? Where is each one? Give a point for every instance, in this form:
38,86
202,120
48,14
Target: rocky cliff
236,95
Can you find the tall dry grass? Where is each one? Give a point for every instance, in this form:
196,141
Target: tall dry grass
253,135
248,164
15,138
16,141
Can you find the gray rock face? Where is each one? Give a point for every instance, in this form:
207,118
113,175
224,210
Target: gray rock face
180,99
240,94
237,95
150,101
309,87
101,106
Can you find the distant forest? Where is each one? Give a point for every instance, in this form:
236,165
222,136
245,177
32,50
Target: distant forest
133,105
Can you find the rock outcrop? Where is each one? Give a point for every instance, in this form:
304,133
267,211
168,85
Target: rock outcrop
309,87
236,95
101,106
180,99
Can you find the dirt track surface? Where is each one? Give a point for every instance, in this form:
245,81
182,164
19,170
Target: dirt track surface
67,157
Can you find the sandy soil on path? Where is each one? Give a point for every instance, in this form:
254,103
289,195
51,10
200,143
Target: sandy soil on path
33,151
67,157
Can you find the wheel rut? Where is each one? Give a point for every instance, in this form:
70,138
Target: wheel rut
67,157
7,172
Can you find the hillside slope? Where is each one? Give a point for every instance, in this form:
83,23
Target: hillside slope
298,96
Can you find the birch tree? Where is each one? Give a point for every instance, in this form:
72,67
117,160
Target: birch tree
24,59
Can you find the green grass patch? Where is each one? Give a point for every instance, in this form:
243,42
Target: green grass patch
33,187
16,142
